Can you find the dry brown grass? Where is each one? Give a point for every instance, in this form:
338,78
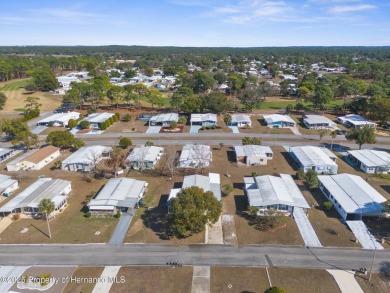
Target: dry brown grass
83,272
154,279
379,283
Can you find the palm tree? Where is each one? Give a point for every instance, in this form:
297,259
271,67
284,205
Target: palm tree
46,206
333,134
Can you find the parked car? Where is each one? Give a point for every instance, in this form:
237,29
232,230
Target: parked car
341,132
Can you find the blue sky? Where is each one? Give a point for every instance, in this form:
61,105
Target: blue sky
247,23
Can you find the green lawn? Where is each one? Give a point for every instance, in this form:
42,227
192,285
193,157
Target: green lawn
167,102
283,104
15,85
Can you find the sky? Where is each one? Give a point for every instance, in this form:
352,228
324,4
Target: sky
196,23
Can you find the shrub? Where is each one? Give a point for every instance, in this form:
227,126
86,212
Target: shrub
45,278
72,123
254,174
127,118
103,126
84,124
311,177
16,217
275,290
327,205
173,124
149,143
227,189
182,119
118,214
88,180
111,119
300,174
118,116
87,215
114,118
57,164
91,110
81,117
125,142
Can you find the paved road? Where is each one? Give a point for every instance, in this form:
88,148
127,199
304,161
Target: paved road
222,255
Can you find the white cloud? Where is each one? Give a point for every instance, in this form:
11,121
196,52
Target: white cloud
351,8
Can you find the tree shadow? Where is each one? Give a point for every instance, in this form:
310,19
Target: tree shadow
38,229
384,270
386,188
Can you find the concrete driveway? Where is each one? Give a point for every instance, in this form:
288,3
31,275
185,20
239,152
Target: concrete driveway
121,229
305,228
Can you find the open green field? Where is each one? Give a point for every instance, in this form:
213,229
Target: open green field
283,104
15,85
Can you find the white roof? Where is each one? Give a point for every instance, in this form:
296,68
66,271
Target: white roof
86,155
207,183
252,151
150,153
43,188
277,117
237,118
123,192
353,193
67,79
165,117
271,190
4,151
313,156
318,119
195,153
61,117
355,119
98,117
5,182
372,158
203,117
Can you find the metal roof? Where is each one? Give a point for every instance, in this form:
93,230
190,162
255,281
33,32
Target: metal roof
150,153
207,183
99,117
165,117
85,155
4,151
271,190
252,150
43,188
123,192
195,154
355,119
61,117
372,158
239,118
203,117
317,119
313,156
277,117
353,193
5,182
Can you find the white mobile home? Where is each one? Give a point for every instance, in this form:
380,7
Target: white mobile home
318,122
277,120
96,119
163,119
371,161
352,196
6,154
240,120
355,121
59,119
7,185
271,192
28,200
207,183
203,119
195,156
321,160
144,157
85,159
34,159
253,155
121,194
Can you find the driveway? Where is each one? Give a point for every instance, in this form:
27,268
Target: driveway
214,233
39,129
201,279
195,128
12,273
234,129
153,129
108,273
121,229
360,230
346,281
305,228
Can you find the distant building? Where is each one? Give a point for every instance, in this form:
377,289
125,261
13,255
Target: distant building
355,121
253,155
96,119
203,119
144,157
85,159
28,200
352,196
121,194
321,160
277,120
195,156
6,153
271,192
59,119
207,183
318,122
7,185
163,119
34,159
240,120
371,161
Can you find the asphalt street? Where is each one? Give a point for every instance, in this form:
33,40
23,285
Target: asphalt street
210,255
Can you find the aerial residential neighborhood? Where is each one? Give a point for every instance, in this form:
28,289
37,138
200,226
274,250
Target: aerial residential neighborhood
249,155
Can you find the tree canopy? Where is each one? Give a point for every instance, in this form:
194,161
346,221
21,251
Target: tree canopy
362,135
64,139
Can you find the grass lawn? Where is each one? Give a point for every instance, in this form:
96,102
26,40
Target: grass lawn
154,279
83,272
235,279
379,283
303,280
14,84
282,104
